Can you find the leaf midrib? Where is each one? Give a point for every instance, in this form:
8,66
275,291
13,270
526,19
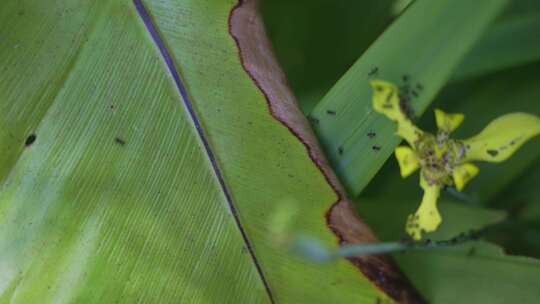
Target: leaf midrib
180,86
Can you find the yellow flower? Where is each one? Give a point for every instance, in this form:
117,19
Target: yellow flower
443,160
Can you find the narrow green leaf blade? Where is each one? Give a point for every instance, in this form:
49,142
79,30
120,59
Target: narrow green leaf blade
425,44
510,42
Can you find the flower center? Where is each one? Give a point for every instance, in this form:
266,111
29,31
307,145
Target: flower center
438,156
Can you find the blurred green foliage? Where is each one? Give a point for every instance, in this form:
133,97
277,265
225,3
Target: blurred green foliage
317,41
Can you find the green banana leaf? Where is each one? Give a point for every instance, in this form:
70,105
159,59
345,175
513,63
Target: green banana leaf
144,152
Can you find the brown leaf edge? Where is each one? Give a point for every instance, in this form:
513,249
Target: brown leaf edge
258,60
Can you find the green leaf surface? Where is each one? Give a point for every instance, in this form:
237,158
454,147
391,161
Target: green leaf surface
425,43
118,199
481,274
316,41
475,272
512,41
521,235
457,218
522,196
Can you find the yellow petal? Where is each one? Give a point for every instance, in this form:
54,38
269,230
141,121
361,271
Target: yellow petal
502,137
462,174
427,217
386,101
448,122
408,163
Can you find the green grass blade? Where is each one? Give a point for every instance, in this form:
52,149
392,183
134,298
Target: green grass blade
426,43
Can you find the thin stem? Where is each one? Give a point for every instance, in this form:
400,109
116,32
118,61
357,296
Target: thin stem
389,247
312,249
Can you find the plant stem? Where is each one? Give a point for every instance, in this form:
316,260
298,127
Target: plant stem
379,248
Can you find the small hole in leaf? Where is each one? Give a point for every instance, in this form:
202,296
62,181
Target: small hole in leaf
30,140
